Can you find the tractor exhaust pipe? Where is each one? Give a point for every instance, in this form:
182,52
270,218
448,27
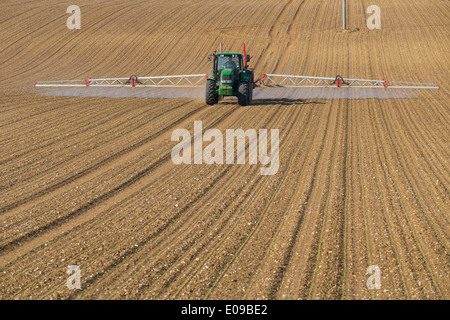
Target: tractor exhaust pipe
245,57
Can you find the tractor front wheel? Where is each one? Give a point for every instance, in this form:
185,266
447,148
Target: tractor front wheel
211,96
244,94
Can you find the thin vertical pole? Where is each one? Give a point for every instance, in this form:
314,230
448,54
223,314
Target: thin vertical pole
344,14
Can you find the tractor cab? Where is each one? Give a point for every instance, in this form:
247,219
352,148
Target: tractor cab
227,64
230,61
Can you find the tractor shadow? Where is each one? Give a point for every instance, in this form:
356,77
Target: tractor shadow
268,102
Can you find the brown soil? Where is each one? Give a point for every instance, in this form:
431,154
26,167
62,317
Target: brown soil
89,181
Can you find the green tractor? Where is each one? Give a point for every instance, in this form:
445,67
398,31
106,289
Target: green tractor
230,76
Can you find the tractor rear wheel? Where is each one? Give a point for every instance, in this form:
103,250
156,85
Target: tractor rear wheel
211,96
244,94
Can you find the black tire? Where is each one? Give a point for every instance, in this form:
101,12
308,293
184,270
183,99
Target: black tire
211,96
244,94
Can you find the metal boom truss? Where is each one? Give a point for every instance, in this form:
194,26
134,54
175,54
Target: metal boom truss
265,80
191,80
280,80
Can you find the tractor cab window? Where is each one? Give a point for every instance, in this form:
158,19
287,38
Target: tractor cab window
229,62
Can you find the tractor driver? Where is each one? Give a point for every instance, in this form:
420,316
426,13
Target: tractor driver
228,63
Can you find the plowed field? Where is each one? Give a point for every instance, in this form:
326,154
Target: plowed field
89,181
